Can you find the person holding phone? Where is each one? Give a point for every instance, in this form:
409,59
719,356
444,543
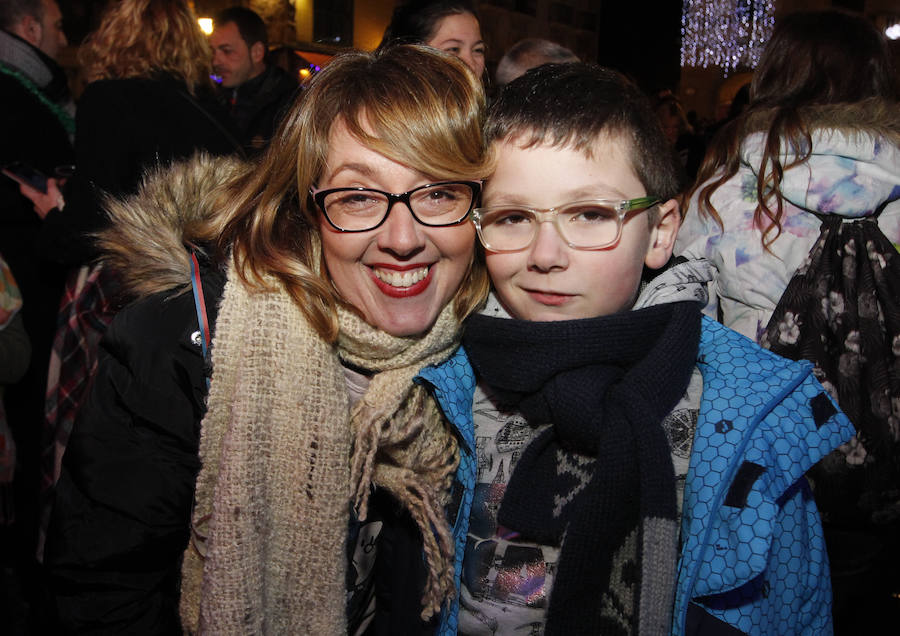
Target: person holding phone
149,101
36,129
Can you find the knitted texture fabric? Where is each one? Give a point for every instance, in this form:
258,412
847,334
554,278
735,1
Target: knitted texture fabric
273,496
599,482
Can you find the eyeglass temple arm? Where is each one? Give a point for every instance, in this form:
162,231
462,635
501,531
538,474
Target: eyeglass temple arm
640,203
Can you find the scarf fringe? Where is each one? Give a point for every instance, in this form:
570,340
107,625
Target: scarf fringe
276,483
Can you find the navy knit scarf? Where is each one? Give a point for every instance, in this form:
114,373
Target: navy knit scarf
599,482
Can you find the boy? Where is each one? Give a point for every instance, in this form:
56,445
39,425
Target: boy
640,467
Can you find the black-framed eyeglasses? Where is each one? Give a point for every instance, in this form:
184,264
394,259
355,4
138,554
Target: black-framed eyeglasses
583,225
362,209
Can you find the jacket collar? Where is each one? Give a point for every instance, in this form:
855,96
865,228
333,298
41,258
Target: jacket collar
454,389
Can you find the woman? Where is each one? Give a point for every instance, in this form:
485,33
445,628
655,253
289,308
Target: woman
817,148
449,25
339,405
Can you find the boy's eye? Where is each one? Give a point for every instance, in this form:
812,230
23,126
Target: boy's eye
510,217
588,215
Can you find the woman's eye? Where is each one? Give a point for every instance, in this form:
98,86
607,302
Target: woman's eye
442,195
478,51
454,50
354,202
355,199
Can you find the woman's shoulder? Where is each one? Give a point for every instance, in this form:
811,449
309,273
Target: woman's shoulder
154,328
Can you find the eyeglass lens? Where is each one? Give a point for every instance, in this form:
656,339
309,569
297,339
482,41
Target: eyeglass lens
439,204
580,225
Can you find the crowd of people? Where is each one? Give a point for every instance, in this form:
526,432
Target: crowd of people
409,349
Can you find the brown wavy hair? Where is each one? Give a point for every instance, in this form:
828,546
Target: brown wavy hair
425,109
142,38
813,59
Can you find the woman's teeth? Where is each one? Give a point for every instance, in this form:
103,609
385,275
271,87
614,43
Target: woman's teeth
401,279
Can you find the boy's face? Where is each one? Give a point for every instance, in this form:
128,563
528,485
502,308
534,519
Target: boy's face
550,280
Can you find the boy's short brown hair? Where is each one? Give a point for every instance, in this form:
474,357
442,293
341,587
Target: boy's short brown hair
576,105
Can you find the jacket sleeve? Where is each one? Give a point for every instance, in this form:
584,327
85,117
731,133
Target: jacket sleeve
121,517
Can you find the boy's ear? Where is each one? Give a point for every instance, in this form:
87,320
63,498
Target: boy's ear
662,235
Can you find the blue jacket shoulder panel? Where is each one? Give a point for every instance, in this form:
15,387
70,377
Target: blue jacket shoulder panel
453,385
745,386
752,538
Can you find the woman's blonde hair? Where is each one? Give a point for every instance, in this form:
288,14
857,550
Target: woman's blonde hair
140,38
414,105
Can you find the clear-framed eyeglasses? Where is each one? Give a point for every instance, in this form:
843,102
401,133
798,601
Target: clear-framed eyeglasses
363,209
583,225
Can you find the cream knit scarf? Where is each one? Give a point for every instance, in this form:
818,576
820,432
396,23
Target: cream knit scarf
284,459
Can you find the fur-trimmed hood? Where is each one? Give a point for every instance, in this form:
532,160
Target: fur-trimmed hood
145,241
877,117
852,167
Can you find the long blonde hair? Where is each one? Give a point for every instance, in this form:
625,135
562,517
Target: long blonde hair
425,109
140,38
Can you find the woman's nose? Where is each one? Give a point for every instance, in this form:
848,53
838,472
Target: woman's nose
401,233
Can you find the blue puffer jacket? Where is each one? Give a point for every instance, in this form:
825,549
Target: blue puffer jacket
753,554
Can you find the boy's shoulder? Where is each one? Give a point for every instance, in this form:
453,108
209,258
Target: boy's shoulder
725,351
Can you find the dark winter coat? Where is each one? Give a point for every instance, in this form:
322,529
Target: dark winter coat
121,518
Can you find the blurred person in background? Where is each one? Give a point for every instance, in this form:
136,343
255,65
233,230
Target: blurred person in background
256,93
15,356
688,144
37,128
448,25
149,101
529,53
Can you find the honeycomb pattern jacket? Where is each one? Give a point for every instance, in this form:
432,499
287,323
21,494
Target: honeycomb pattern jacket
753,557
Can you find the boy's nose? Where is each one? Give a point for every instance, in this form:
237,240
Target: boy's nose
549,251
401,233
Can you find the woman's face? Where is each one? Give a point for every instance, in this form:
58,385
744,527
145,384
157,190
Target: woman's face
459,34
399,275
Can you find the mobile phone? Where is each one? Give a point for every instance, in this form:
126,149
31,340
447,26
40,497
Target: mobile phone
23,173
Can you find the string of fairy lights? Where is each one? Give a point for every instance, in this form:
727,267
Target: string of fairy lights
725,33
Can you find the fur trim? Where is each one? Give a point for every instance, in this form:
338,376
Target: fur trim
874,116
145,242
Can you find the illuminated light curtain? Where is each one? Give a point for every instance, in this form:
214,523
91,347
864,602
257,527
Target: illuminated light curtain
725,33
